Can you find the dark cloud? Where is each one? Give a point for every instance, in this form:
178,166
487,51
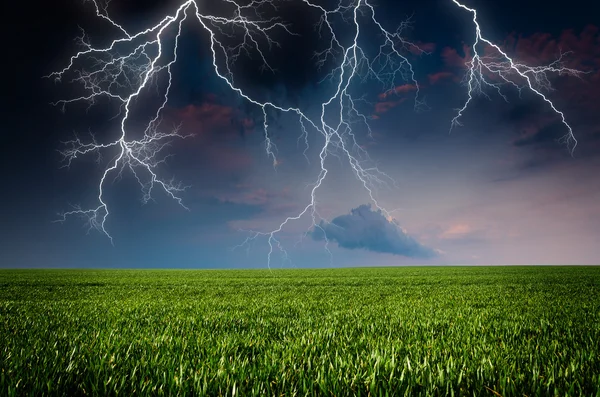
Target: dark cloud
524,111
547,134
452,59
366,229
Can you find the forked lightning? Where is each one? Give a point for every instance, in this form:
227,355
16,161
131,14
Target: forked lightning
125,69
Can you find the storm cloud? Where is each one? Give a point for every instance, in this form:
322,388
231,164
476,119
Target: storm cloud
366,229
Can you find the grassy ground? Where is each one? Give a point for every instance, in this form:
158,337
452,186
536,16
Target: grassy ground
393,331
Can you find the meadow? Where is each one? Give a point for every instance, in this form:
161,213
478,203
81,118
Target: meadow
425,331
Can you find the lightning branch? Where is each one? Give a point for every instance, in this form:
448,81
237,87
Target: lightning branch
128,67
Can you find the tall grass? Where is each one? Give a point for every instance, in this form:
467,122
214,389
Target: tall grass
505,331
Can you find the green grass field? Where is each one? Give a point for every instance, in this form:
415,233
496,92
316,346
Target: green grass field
383,331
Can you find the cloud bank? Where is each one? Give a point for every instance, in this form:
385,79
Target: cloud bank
366,229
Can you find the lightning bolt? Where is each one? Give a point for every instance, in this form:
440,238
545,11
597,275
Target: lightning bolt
501,70
127,68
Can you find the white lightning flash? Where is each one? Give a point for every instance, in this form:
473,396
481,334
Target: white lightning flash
505,70
130,65
134,61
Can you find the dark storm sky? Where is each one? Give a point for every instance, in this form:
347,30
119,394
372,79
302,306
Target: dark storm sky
499,190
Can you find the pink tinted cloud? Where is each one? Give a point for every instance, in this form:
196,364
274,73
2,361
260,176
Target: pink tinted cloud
453,59
216,128
210,119
386,103
421,47
581,50
584,55
385,106
577,98
436,78
542,48
458,230
401,89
